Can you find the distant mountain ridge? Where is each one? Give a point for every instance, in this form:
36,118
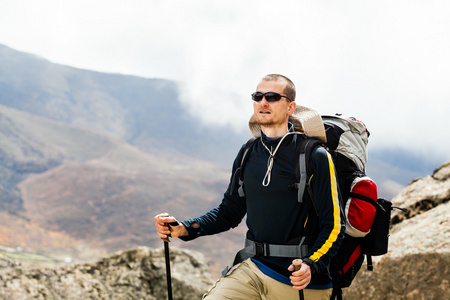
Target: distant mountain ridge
143,112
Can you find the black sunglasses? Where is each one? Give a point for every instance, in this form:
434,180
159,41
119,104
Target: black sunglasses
270,96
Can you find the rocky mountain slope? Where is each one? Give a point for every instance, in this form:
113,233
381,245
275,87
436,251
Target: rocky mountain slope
134,274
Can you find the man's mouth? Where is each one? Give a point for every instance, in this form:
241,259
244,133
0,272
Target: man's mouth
264,112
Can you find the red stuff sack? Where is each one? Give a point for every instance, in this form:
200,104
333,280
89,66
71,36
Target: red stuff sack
360,208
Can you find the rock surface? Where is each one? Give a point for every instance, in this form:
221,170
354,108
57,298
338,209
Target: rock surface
415,276
134,274
423,194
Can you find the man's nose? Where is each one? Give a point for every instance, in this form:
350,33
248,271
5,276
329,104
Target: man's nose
264,101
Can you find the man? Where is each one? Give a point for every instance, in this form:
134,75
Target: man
274,214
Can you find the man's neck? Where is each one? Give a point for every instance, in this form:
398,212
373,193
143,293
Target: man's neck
274,132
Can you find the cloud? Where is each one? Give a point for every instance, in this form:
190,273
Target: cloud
384,62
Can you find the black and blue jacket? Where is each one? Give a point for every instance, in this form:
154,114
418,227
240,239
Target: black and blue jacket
274,214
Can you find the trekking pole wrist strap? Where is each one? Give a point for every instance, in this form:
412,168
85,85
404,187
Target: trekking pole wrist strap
312,265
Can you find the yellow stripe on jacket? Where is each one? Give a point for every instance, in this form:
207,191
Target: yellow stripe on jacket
336,215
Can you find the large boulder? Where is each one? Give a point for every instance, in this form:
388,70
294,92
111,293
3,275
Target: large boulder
134,274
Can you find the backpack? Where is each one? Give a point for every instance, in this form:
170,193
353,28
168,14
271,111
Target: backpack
367,216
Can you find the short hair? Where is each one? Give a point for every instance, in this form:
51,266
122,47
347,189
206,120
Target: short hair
289,89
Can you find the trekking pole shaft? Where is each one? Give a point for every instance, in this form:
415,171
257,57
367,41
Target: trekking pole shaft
297,265
301,295
167,256
168,276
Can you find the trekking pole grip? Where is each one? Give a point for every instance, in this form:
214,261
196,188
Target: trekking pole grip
297,265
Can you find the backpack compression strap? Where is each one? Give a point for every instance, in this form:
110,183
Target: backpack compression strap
364,198
377,206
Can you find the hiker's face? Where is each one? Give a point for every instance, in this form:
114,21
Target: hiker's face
272,114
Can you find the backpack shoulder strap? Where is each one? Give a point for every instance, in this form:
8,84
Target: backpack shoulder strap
303,154
246,150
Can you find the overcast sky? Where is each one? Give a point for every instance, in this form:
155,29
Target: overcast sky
385,62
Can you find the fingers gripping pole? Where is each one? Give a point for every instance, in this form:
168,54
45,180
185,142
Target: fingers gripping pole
165,215
297,265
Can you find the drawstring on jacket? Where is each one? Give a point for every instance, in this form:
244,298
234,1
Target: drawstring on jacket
267,177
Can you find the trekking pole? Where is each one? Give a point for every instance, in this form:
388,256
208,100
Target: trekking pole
168,276
297,264
167,256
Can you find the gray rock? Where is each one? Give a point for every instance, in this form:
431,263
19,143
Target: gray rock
423,194
134,274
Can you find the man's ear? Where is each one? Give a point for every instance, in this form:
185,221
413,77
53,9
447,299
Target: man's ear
291,108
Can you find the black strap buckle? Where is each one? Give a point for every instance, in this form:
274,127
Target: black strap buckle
262,249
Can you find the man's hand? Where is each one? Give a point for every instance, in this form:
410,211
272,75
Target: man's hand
164,228
301,278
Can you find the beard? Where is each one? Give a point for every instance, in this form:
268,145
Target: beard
266,121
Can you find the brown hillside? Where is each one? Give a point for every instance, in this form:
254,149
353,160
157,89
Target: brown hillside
102,191
112,204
